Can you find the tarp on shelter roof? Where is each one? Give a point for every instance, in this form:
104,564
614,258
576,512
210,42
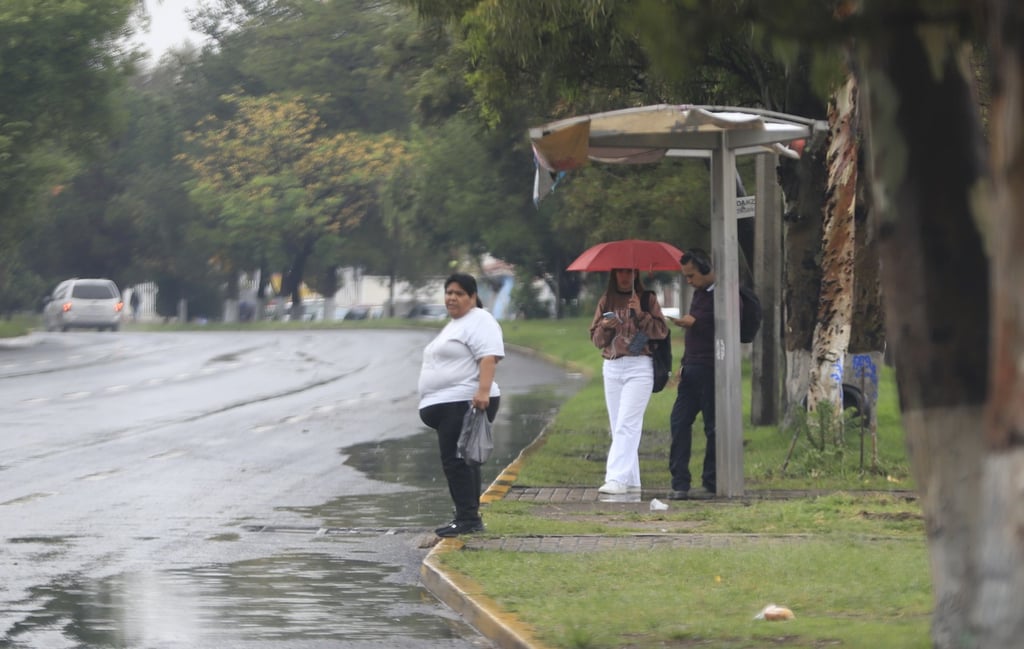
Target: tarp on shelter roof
649,133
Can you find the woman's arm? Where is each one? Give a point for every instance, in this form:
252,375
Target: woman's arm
602,330
488,365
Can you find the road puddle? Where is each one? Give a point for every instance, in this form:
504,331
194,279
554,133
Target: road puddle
279,601
306,590
413,462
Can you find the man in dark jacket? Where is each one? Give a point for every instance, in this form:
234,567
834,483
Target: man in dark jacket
696,391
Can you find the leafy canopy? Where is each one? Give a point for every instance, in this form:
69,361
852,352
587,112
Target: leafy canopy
272,176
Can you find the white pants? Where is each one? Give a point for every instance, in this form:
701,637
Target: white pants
627,389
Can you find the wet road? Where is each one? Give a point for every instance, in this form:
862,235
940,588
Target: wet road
226,489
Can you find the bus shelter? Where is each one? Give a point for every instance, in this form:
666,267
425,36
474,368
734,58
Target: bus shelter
721,133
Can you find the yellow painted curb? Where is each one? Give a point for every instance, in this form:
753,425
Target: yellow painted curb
465,596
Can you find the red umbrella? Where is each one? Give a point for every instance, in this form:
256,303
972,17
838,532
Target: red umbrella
629,253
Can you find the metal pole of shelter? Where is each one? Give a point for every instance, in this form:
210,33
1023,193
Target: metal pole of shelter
728,379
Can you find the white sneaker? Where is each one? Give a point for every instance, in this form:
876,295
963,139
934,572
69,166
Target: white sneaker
613,487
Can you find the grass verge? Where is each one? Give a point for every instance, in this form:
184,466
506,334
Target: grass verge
849,556
18,325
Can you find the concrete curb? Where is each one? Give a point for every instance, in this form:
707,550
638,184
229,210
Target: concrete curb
465,596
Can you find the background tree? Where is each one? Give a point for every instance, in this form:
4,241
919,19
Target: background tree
59,63
272,176
346,57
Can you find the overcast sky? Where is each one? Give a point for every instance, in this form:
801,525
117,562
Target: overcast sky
168,26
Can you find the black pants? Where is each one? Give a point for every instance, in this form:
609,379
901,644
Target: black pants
695,394
463,479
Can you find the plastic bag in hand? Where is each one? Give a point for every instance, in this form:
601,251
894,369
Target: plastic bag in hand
475,442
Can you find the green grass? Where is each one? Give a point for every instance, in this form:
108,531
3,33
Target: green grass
576,443
18,325
872,594
851,562
842,514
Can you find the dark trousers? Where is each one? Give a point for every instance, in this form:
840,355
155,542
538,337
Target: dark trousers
695,394
463,479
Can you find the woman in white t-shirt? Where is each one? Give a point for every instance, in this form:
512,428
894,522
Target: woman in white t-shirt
457,372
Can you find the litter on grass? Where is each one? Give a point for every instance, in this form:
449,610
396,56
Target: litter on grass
773,613
657,505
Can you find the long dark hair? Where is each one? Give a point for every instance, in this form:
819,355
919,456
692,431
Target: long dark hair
468,284
613,286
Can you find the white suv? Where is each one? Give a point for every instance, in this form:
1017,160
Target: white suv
84,303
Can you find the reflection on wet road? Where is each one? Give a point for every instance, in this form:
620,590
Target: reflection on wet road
278,601
126,521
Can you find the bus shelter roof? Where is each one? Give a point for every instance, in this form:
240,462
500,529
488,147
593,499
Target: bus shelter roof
649,133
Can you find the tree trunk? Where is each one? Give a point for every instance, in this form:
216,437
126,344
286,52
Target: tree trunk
921,117
997,612
328,289
296,273
867,330
231,298
798,374
835,299
803,189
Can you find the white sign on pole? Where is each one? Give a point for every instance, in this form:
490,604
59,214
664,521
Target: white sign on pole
745,207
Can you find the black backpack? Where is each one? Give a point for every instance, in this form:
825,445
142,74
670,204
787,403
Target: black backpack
661,350
750,314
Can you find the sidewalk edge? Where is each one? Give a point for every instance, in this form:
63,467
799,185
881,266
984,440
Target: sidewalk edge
465,596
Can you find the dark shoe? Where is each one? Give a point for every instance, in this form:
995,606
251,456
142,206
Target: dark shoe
456,528
701,494
679,494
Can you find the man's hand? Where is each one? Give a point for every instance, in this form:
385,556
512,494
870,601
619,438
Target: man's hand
686,321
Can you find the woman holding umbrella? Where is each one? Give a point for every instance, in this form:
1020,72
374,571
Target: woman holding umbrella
627,317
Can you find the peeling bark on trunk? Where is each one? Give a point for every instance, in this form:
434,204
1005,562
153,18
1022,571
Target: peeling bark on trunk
835,299
921,116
